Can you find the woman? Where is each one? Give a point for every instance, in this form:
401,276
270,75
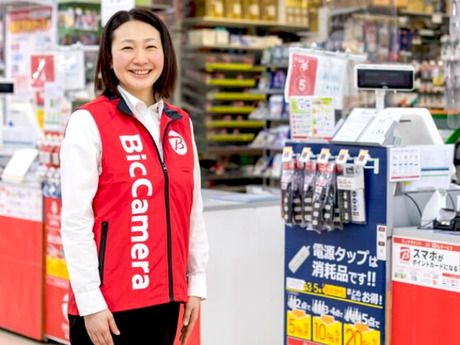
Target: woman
132,223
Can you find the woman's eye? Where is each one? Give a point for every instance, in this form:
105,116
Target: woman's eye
126,48
151,47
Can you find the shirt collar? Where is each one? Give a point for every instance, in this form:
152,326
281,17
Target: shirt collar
137,106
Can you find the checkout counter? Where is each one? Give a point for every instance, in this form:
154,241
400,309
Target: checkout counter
245,271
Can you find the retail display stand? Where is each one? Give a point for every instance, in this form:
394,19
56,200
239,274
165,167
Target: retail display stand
21,260
336,281
56,275
425,286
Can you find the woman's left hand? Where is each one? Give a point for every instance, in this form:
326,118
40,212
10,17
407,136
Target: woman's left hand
192,309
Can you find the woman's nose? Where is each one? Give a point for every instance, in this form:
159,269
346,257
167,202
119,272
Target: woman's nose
140,56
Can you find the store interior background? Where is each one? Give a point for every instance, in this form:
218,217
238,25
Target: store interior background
233,57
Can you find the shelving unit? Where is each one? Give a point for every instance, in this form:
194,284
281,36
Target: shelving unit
220,89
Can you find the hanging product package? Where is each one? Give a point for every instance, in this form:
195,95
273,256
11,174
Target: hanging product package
287,177
307,192
321,195
351,187
342,213
329,202
296,194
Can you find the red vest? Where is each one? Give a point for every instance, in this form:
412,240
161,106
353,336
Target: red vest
142,207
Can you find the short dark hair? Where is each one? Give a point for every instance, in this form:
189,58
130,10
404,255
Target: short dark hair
105,78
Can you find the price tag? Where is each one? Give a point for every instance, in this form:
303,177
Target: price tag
326,330
342,157
298,324
324,156
287,154
360,334
362,158
305,155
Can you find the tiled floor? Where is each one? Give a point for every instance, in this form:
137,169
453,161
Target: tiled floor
7,338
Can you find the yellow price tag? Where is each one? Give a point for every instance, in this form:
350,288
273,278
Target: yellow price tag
298,324
56,267
359,334
327,330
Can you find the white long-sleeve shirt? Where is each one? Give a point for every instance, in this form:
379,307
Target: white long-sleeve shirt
80,155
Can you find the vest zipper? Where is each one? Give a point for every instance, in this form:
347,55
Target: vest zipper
168,213
105,229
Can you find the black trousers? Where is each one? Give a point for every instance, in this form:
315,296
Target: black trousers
155,325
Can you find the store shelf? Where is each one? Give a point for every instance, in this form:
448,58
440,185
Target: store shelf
269,91
345,10
235,124
421,14
231,150
244,23
238,67
229,109
225,47
211,177
234,96
231,82
277,66
245,137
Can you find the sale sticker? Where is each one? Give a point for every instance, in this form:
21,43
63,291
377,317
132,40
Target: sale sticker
327,330
360,334
298,324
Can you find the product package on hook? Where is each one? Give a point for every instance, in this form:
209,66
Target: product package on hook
351,194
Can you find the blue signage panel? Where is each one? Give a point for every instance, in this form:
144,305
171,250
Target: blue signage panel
335,281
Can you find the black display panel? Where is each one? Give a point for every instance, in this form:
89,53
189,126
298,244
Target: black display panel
385,79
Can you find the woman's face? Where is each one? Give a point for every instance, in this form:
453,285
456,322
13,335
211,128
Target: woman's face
137,58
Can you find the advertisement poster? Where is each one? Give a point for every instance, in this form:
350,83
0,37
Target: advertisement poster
312,73
21,202
335,281
301,77
57,277
311,117
27,30
426,263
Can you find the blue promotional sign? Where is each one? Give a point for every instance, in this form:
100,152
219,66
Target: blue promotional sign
335,281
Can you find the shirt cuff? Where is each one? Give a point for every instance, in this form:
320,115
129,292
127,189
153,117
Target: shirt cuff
90,302
197,285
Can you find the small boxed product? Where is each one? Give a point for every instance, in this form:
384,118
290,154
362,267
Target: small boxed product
233,9
201,37
209,8
416,6
251,9
269,10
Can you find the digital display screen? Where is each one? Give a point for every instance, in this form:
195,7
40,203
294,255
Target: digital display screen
6,87
385,79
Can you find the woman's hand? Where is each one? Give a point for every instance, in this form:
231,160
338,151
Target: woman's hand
192,309
99,326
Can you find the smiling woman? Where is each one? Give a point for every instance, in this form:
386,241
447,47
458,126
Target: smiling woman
137,56
132,215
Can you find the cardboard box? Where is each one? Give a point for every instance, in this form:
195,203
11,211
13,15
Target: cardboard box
233,9
416,6
269,10
209,8
251,9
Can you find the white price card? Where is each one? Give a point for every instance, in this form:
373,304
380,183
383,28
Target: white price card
405,164
19,164
311,117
